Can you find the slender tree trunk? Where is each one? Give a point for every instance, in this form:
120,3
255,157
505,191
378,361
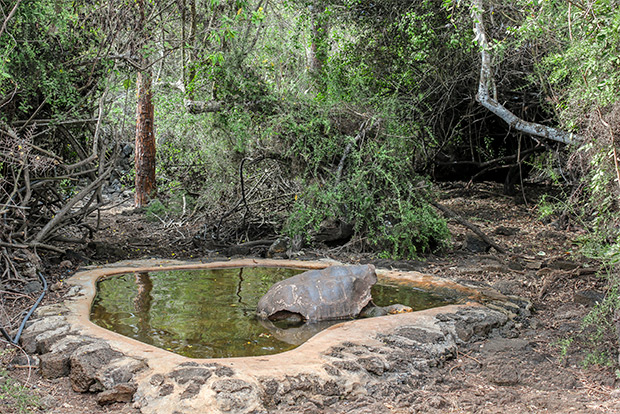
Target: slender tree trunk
145,141
319,37
192,55
145,137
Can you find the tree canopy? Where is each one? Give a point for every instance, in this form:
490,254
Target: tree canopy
286,117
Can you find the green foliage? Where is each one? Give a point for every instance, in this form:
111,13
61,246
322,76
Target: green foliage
378,191
155,210
13,394
273,107
580,63
563,346
548,207
598,327
48,59
420,230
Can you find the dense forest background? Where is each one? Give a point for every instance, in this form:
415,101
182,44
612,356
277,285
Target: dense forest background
283,118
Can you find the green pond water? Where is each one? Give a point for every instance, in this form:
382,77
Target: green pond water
211,313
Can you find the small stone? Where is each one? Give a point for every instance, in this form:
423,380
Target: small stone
156,380
535,323
54,365
373,364
535,265
224,371
233,395
331,370
437,401
57,309
38,327
512,346
56,286
503,374
65,264
165,390
475,244
74,291
506,231
507,287
86,362
33,287
347,365
44,341
271,386
231,385
588,297
47,402
119,371
192,390
186,374
515,265
120,393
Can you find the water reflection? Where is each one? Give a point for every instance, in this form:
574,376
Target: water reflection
295,334
211,313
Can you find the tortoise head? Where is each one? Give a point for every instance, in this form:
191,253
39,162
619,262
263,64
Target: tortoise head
365,278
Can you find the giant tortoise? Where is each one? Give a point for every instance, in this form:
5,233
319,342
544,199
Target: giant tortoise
336,292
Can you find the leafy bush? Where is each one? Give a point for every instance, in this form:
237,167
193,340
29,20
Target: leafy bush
374,186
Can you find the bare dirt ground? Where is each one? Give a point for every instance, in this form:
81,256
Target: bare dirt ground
537,366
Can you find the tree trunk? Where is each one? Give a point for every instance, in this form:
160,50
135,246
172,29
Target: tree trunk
145,141
319,46
145,137
192,55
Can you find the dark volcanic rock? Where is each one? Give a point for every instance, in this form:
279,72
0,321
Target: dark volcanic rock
86,363
233,395
120,393
184,375
475,244
588,297
54,365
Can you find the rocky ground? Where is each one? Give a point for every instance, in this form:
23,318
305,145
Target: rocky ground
534,365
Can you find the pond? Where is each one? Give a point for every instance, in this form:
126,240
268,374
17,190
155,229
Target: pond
210,313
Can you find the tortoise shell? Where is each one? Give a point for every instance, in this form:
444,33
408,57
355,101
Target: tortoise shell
336,292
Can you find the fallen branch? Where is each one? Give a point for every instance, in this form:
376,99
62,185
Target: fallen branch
200,107
195,107
453,215
67,207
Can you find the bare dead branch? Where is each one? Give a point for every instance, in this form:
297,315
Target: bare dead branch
81,195
200,107
11,13
453,215
490,102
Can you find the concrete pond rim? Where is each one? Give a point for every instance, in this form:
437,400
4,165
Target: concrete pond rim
157,380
